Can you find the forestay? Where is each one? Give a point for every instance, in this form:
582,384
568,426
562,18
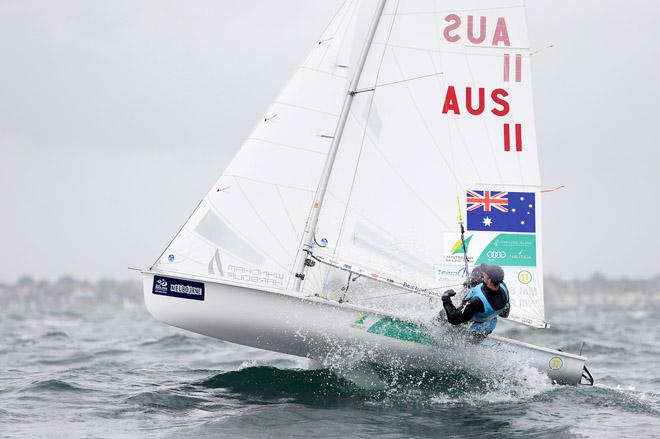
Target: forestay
443,110
249,227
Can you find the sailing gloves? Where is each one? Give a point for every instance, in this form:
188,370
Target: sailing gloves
446,297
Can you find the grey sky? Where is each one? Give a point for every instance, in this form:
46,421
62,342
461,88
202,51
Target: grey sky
117,116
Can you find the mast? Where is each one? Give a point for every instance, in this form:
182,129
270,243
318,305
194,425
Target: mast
308,236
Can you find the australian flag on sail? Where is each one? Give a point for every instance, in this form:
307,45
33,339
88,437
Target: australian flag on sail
501,211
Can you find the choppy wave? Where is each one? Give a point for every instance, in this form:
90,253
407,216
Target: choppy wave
174,340
55,334
374,383
53,385
628,400
78,365
165,399
270,383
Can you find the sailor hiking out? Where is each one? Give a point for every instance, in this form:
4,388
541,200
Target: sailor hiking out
487,299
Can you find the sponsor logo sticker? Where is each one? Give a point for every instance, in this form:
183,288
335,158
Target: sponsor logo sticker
184,289
457,248
524,277
510,250
450,273
454,254
555,363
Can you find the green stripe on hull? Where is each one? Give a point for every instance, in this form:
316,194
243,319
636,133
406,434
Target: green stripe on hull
401,330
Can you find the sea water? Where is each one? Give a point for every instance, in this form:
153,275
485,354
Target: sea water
82,359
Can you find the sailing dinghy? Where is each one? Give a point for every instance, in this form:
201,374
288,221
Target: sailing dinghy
334,228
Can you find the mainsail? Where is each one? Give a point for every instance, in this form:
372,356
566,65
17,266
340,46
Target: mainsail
441,109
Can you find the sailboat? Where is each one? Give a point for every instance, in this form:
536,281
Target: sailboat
401,154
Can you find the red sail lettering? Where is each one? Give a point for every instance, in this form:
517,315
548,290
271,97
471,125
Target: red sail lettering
452,27
451,103
507,137
468,101
500,105
498,96
501,33
519,145
482,30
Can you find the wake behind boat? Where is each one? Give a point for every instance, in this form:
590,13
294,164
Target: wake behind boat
334,227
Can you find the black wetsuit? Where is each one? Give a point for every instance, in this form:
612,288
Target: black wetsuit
456,316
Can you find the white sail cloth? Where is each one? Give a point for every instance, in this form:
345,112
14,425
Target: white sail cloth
415,141
248,228
443,110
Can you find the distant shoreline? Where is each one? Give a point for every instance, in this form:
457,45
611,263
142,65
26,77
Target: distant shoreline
67,292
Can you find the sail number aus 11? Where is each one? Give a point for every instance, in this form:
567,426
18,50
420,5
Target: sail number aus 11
500,107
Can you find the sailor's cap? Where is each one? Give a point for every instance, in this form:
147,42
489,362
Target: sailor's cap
494,272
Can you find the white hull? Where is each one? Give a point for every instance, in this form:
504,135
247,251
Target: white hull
320,329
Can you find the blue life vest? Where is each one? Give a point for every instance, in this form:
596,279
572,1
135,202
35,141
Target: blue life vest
485,322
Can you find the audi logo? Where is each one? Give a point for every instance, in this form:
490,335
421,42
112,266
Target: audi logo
496,255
